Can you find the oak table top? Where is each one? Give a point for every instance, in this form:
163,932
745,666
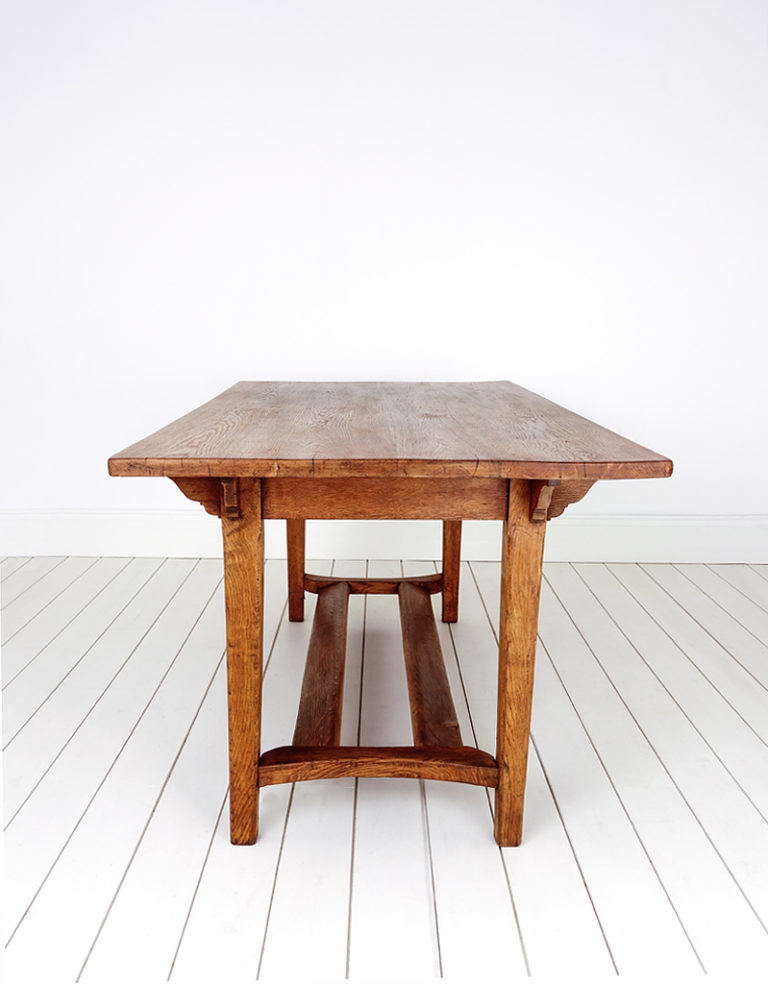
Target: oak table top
386,429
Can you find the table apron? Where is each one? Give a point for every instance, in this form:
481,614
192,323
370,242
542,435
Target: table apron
384,498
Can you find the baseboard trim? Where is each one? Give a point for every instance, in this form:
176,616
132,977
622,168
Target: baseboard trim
661,539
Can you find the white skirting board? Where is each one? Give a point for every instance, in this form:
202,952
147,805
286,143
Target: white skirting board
605,539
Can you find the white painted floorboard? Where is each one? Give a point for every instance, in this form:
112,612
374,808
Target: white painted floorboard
23,576
717,920
645,848
48,602
10,565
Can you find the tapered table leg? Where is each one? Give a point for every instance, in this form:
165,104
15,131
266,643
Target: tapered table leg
521,560
243,533
295,530
451,567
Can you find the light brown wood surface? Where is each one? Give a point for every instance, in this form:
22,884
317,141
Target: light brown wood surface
299,763
432,583
244,599
296,542
385,498
522,549
451,568
433,715
322,690
484,429
565,494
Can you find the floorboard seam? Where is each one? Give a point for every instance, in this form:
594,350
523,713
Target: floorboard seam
152,812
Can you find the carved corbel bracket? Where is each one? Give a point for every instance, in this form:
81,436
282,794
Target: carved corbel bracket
206,491
230,498
541,499
218,496
551,499
566,494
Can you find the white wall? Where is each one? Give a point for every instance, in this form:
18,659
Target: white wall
568,194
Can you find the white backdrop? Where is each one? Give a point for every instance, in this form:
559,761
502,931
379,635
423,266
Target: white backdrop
568,194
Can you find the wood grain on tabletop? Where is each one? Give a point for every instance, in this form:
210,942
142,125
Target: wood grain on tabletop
476,429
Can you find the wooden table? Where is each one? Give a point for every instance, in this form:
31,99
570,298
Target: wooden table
445,451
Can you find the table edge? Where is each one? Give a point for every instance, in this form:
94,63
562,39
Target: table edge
119,466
